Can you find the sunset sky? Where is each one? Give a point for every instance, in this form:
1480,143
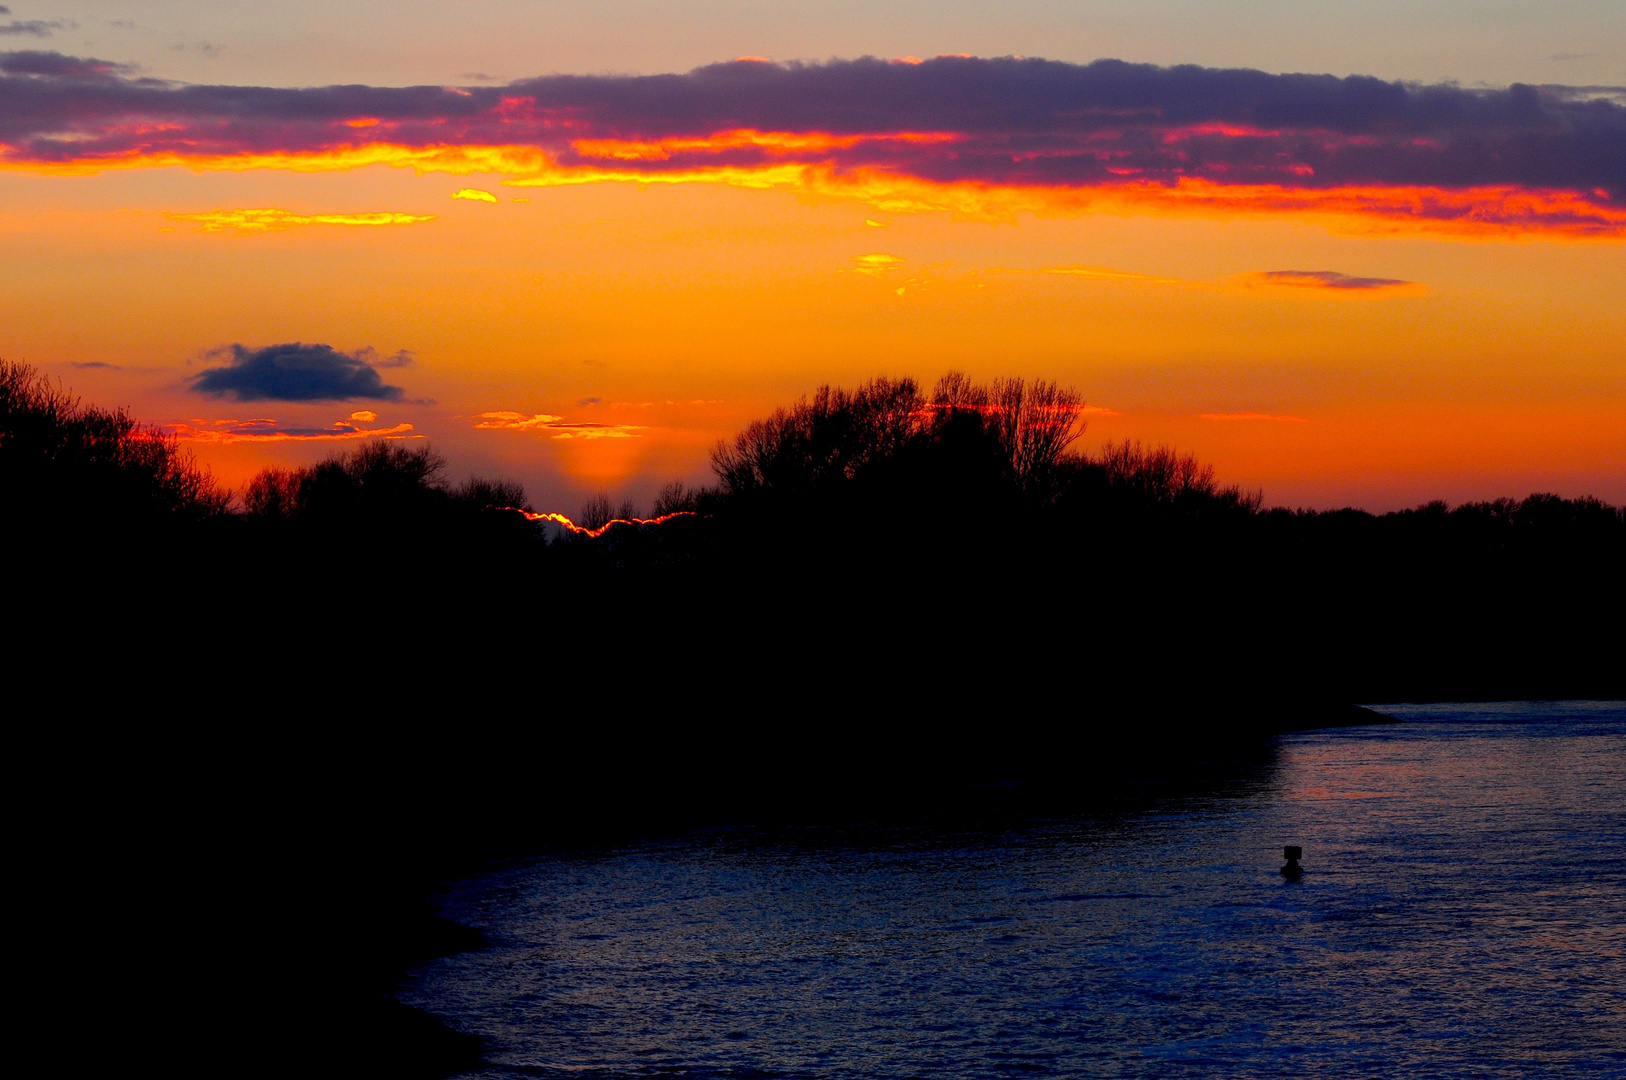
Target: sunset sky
1353,254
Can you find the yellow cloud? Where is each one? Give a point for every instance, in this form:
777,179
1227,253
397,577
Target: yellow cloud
1106,273
513,421
273,220
875,264
267,430
474,194
555,426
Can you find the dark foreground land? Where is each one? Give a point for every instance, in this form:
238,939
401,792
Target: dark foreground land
876,550
253,734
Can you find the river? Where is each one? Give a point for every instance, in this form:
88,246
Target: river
1462,914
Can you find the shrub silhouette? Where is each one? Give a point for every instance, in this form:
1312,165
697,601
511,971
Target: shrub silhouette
816,443
380,481
486,493
66,467
392,502
1161,477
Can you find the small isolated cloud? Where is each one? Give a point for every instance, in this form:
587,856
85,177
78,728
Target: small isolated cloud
1097,410
95,365
1106,273
478,76
39,28
514,421
591,401
1333,281
373,358
202,48
295,371
555,426
1255,416
876,264
874,224
272,220
265,429
474,195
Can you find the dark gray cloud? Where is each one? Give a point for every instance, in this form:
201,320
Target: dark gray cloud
31,68
33,27
1005,121
96,365
1330,279
297,372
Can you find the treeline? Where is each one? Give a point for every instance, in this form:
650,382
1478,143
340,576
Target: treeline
961,527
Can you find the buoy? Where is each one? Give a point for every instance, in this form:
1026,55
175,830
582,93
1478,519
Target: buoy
1292,871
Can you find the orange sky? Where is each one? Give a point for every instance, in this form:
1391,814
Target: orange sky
1472,363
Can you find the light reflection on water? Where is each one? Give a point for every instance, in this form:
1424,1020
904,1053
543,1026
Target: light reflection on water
1463,915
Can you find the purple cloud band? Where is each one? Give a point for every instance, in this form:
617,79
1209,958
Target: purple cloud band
1007,121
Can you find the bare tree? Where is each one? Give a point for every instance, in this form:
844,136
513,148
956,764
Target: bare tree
677,498
832,436
273,493
596,512
1034,423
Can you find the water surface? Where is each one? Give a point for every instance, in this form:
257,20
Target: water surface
1463,914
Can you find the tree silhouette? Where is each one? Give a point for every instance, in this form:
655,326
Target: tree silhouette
66,466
